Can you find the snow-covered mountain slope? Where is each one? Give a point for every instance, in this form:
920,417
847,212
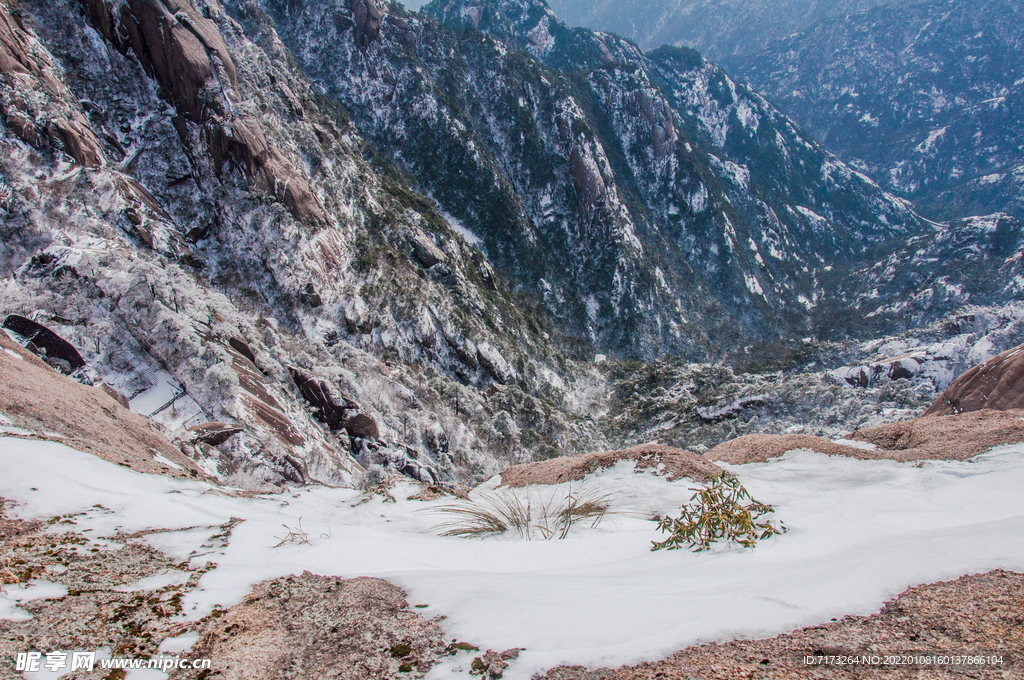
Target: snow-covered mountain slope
925,97
333,236
653,204
210,232
718,28
890,524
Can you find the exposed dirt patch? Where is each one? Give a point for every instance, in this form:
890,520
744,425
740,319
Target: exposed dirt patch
40,400
974,615
758,448
321,627
665,460
952,437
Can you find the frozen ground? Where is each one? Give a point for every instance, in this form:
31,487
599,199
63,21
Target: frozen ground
859,533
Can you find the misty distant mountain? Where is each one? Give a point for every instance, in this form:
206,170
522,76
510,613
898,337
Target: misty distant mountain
717,28
925,98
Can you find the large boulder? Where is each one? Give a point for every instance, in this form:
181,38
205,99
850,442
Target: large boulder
214,433
362,426
367,16
44,343
327,627
327,408
997,384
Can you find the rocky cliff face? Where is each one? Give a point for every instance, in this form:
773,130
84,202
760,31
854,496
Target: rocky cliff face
186,210
924,96
309,240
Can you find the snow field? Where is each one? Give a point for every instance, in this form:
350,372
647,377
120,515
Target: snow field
860,532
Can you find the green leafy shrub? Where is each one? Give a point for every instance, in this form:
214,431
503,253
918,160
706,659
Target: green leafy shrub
722,511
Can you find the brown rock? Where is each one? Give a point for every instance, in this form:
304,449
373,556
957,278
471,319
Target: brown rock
426,252
954,437
40,400
588,183
362,426
214,433
180,48
44,343
367,16
319,627
997,384
173,41
261,405
245,144
758,448
117,396
80,142
29,68
242,347
673,463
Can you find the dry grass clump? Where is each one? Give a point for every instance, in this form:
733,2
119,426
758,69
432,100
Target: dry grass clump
504,512
293,536
7,576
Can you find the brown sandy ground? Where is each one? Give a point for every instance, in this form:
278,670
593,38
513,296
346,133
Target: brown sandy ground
950,437
972,616
665,460
51,406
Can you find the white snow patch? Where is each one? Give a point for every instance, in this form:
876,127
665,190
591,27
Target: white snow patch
541,40
14,354
982,351
160,459
156,397
179,645
739,174
752,285
929,142
860,532
17,594
855,444
459,228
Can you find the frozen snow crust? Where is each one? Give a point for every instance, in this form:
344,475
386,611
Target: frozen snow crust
859,532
